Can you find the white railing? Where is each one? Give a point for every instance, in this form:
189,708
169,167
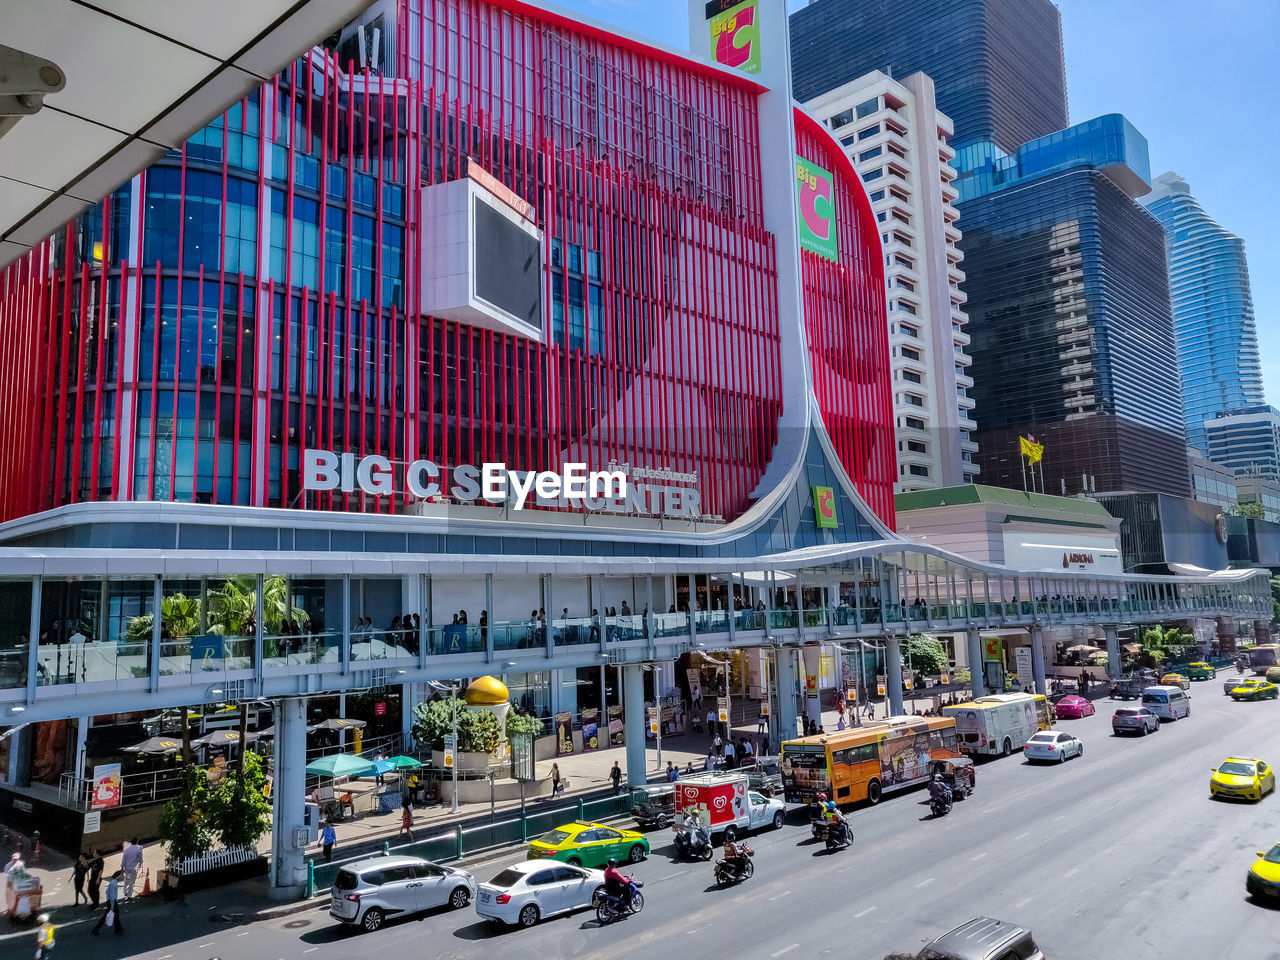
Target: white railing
212,859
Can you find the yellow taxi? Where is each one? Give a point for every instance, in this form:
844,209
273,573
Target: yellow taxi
583,844
1264,875
1255,690
1199,670
1175,680
1245,778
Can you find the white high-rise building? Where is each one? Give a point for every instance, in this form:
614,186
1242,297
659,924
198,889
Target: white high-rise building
897,139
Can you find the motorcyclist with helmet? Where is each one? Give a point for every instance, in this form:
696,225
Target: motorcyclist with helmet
617,884
939,791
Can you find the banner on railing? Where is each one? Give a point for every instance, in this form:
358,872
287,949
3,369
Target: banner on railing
206,652
106,787
617,736
590,729
695,685
564,733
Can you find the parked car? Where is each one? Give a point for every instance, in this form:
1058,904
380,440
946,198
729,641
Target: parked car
654,805
1134,719
983,938
1075,707
1201,671
525,893
589,844
366,893
1167,703
1052,745
1245,778
1175,680
1255,690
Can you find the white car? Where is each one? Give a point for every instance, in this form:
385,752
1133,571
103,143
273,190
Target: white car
1052,745
527,891
367,892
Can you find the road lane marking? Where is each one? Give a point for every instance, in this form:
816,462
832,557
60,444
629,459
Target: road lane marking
245,934
977,858
201,946
690,933
311,950
1072,872
862,913
672,876
1063,817
779,897
924,883
1023,835
1022,903
844,869
778,953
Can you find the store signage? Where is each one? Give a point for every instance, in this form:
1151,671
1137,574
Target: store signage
824,507
735,33
590,729
106,786
380,708
1077,559
617,735
992,649
816,209
1023,657
574,486
564,733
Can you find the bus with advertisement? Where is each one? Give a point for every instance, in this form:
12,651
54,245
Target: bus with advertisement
1000,723
865,763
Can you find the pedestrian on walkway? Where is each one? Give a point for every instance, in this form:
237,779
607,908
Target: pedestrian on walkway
111,915
762,724
96,866
730,754
328,837
406,823
673,774
555,780
616,776
713,723
80,870
44,938
130,864
718,744
711,758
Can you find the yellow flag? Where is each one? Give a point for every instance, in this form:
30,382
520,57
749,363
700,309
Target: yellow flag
1031,450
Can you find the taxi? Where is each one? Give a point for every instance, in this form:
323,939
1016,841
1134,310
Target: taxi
1264,876
1255,690
1201,671
1243,778
583,844
1175,680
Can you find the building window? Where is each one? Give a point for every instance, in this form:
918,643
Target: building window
914,400
870,131
905,284
869,154
906,307
915,423
909,330
911,376
872,175
915,446
918,471
878,195
910,354
842,118
867,107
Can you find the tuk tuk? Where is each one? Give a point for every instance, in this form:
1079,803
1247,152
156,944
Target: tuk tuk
654,805
959,774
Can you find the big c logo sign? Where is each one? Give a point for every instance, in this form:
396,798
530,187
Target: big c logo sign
816,199
824,507
735,34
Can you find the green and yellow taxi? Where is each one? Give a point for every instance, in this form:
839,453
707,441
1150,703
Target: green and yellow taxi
1175,680
585,844
1201,671
1255,689
1273,674
1264,876
1242,778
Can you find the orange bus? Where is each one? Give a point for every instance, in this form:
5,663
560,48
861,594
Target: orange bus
865,763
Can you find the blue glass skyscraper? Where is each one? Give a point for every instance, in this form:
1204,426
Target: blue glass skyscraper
1212,309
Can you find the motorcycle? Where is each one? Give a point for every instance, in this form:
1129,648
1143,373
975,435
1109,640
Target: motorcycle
839,835
610,907
737,869
941,806
693,842
817,821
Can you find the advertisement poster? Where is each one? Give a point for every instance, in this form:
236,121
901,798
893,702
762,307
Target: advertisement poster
616,735
590,729
564,733
106,786
1023,656
904,758
695,685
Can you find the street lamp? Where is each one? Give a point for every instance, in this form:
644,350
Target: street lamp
453,698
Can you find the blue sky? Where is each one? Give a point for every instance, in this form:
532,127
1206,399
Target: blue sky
1195,76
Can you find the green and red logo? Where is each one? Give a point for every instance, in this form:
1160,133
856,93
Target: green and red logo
824,507
816,200
735,37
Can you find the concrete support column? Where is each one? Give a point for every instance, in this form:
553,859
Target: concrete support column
1113,651
290,797
1261,631
1037,660
410,697
633,722
893,674
812,654
783,726
973,641
1227,634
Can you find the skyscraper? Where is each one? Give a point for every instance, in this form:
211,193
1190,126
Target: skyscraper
997,64
1212,308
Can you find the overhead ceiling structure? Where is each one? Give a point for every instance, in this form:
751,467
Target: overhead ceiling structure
92,91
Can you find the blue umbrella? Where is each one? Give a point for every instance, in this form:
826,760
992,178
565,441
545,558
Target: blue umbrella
383,766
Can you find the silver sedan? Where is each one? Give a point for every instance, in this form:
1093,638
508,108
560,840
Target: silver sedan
1052,745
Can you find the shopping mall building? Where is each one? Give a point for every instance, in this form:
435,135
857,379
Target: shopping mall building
266,374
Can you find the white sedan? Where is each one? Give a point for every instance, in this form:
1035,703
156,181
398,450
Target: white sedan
525,892
1052,745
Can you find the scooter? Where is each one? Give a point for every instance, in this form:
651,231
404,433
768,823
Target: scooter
839,835
610,908
735,870
693,842
941,806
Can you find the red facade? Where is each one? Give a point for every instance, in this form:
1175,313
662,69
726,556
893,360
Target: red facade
257,293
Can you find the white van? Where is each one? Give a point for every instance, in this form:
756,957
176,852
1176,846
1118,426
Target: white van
1167,703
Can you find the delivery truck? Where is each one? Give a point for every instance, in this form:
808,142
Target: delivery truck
724,802
997,724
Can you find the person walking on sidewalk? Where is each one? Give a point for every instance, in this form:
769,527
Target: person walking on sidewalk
96,866
711,758
80,870
111,915
328,837
555,780
406,823
130,864
616,776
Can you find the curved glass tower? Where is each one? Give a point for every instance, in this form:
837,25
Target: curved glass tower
1212,308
